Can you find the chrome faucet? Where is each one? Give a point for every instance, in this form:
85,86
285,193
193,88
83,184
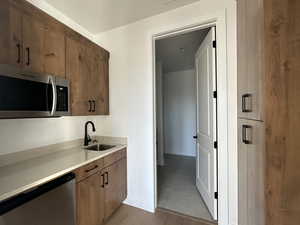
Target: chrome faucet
87,138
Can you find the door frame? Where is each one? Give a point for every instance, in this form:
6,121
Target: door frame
219,21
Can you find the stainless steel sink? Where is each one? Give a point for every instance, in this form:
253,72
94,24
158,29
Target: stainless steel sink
99,147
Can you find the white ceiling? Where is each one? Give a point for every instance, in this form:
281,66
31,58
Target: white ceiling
100,15
178,53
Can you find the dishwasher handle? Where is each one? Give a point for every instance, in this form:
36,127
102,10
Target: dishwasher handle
14,202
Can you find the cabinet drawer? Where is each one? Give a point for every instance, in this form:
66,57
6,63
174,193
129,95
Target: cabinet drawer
88,170
110,159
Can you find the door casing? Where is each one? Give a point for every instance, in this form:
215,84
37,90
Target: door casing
218,20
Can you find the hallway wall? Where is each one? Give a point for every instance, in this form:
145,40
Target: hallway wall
179,94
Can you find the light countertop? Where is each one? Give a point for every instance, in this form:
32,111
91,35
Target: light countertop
26,174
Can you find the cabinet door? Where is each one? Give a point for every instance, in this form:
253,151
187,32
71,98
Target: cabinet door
112,188
78,74
99,90
90,201
55,53
251,172
250,59
10,34
33,44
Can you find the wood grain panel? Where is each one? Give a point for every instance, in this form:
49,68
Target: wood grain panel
282,22
77,72
11,34
250,58
113,189
90,198
112,158
88,170
98,80
52,23
33,44
55,53
251,164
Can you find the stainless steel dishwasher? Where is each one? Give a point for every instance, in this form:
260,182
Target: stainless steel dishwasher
52,203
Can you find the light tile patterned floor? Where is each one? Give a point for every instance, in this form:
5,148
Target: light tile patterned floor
176,187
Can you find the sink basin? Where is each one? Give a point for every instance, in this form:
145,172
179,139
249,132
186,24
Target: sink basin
99,147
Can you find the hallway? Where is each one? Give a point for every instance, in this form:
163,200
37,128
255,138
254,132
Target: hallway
176,187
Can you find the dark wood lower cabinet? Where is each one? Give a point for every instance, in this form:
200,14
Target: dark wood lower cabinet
90,198
113,188
99,195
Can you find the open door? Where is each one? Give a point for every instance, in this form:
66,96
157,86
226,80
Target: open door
206,174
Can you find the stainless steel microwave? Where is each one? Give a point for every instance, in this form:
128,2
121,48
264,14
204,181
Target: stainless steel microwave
31,95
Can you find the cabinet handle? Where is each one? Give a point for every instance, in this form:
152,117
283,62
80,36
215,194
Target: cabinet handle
94,106
103,181
28,56
19,53
244,103
245,138
90,108
106,173
89,170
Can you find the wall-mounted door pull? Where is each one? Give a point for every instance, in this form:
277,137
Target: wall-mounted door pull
247,134
247,107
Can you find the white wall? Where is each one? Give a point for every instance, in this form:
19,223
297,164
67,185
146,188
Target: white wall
132,97
179,92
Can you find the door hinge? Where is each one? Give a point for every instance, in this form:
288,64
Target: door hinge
215,144
214,44
215,94
216,195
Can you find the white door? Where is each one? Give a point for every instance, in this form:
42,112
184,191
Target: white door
206,174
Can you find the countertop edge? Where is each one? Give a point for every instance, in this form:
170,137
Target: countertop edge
39,182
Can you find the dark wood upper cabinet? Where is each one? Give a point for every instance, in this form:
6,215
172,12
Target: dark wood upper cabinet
77,72
33,44
11,34
55,52
88,72
36,42
99,83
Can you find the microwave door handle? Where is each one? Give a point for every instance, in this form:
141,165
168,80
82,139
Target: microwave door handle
53,110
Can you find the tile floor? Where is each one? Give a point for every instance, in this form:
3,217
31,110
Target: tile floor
177,189
128,215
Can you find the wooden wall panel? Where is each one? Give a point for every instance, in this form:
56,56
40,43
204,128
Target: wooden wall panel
282,39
